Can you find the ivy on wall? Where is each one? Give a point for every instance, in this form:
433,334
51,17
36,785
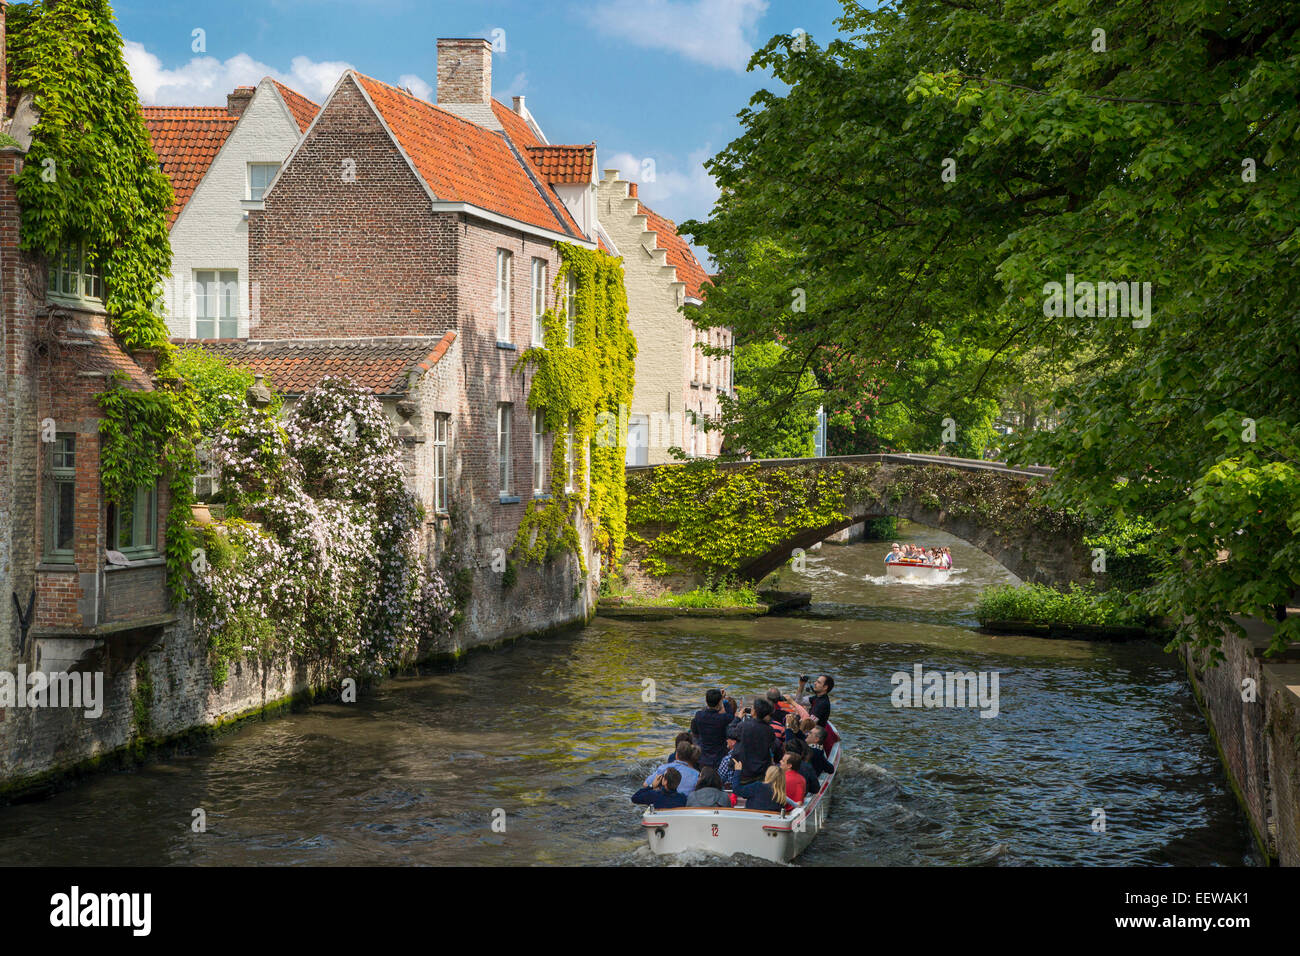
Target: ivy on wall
90,176
706,520
589,385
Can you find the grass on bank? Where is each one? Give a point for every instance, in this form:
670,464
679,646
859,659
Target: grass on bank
1041,604
742,596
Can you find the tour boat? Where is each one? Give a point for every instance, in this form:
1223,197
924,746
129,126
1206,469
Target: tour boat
917,570
766,834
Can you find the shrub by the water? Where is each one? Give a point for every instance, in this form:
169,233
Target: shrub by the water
1040,604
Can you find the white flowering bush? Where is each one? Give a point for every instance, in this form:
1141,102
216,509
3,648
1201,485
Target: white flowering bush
334,571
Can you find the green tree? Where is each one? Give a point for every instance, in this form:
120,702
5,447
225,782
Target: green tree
932,176
777,431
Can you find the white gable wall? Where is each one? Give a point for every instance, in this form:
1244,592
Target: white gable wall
211,231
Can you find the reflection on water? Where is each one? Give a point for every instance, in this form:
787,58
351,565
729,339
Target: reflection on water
555,733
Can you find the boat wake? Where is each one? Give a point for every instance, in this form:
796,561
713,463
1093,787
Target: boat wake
925,581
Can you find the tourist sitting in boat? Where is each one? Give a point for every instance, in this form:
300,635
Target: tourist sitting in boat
781,708
816,752
677,742
727,765
767,794
947,557
754,740
895,553
709,726
708,791
794,728
685,763
796,787
661,792
805,768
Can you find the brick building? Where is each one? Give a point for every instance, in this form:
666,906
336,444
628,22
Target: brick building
91,569
412,247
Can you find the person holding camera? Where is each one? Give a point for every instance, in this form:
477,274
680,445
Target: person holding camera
662,793
819,701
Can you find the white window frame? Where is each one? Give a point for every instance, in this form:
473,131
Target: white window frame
71,278
571,308
441,426
222,286
571,455
539,302
539,452
275,172
505,414
505,259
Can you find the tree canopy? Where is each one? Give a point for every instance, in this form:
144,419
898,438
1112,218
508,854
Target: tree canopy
951,186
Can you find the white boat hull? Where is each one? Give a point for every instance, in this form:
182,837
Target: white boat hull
765,834
919,572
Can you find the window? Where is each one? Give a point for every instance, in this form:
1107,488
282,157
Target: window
60,500
539,301
504,412
131,523
71,275
571,307
216,304
440,423
259,178
502,303
539,452
570,455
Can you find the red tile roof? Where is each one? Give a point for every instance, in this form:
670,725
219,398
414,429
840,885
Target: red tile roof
105,355
689,269
186,139
303,109
516,126
461,161
564,164
381,364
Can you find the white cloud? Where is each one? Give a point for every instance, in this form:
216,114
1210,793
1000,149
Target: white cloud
516,87
417,86
718,33
205,80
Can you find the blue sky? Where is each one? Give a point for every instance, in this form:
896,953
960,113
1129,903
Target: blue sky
645,79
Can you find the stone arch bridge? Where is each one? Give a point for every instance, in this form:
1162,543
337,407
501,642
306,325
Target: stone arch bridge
990,505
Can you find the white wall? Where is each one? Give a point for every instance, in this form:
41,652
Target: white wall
211,232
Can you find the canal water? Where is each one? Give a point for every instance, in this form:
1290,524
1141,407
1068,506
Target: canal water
551,736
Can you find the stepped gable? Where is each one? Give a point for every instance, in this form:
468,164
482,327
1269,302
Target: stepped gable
564,164
302,109
382,364
679,252
461,161
186,139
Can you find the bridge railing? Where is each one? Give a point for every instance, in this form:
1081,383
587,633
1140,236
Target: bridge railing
962,464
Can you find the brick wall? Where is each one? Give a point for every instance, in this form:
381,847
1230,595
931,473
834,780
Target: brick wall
339,258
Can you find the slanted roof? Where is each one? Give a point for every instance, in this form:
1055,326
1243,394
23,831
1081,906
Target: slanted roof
564,164
516,126
186,139
302,109
382,364
461,161
689,269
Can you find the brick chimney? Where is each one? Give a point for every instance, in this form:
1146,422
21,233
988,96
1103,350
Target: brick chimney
519,107
464,71
238,101
631,190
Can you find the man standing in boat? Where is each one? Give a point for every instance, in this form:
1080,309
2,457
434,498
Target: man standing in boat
819,703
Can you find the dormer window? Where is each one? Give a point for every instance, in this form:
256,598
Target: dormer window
259,178
72,277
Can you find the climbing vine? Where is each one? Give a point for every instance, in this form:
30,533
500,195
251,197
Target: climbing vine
91,174
91,178
588,386
708,520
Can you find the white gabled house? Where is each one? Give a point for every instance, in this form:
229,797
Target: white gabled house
221,160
